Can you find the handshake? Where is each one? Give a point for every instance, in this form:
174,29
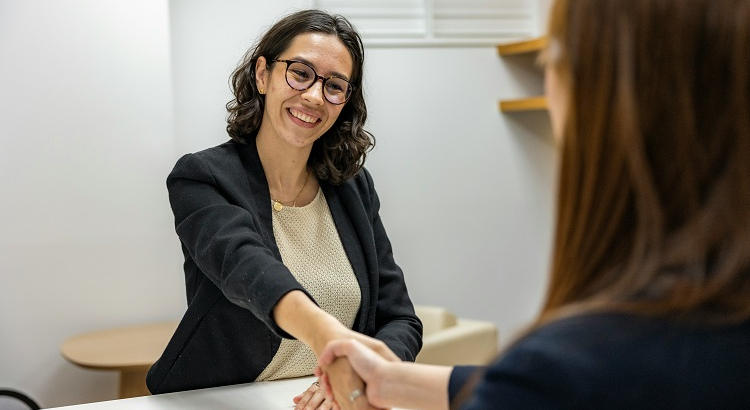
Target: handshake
351,373
356,371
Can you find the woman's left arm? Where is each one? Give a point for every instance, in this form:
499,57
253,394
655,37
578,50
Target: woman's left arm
396,324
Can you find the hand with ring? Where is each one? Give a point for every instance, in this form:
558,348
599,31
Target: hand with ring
354,395
368,366
314,398
345,386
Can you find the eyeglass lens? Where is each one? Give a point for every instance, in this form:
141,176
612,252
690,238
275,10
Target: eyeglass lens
301,77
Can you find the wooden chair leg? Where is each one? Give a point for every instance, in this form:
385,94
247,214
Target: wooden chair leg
133,383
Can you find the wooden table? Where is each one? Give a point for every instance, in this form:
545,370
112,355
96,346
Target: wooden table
129,350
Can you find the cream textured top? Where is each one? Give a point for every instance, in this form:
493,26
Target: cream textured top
311,248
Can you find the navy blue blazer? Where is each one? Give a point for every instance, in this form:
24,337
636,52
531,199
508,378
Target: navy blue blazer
234,275
611,361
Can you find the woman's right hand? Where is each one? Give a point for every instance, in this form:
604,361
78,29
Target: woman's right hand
344,380
369,365
341,377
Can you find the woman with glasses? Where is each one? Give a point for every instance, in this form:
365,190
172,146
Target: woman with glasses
648,305
284,248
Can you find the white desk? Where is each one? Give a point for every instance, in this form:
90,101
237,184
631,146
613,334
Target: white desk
250,396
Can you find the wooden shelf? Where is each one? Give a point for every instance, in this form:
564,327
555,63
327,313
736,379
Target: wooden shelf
520,47
524,104
536,103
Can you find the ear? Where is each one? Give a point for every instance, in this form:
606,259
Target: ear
261,75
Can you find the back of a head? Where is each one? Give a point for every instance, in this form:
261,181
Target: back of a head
654,190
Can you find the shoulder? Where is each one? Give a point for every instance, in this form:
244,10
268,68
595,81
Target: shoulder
361,187
221,151
217,155
220,159
619,339
586,331
580,346
361,182
558,365
619,361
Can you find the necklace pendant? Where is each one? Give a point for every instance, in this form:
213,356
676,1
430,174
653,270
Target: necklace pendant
277,206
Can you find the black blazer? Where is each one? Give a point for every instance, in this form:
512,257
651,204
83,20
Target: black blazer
617,361
234,275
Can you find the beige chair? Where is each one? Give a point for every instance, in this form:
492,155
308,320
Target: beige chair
450,341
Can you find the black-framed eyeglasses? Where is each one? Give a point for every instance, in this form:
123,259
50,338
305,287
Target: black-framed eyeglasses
300,76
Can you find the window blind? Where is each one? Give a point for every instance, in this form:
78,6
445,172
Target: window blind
436,22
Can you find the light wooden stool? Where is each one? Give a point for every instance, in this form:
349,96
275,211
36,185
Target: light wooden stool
129,350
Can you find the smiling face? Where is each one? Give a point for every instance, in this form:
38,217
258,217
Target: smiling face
299,118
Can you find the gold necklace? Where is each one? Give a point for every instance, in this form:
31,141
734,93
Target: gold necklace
278,205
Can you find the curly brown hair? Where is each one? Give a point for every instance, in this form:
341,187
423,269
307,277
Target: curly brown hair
339,153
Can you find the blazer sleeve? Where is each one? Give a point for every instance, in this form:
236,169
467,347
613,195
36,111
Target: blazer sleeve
533,374
460,376
223,240
396,324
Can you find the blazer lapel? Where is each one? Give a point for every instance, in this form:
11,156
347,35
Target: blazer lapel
258,189
352,246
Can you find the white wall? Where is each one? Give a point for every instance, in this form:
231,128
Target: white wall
543,9
466,191
86,131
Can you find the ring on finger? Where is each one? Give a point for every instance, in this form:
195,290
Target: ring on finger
355,394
